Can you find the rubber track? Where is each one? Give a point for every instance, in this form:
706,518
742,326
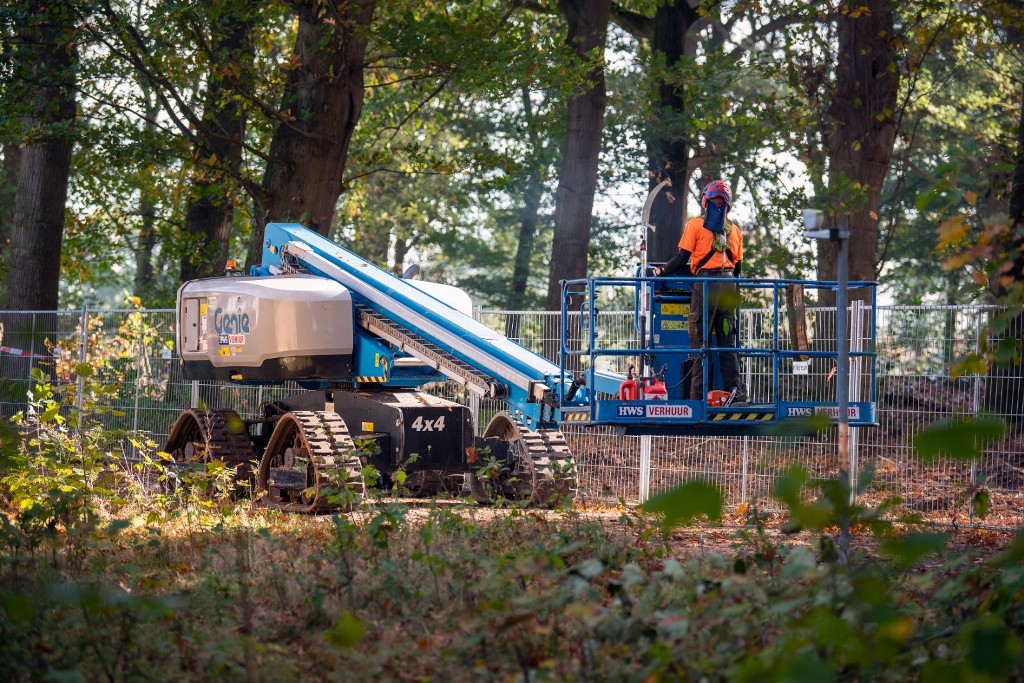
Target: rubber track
211,428
548,450
336,464
548,461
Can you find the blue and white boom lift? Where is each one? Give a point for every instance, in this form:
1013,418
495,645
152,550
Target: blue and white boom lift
363,343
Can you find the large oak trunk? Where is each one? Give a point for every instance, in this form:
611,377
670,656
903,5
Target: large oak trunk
861,136
46,71
323,100
667,146
577,179
218,150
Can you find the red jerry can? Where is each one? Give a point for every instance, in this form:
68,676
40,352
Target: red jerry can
629,390
654,390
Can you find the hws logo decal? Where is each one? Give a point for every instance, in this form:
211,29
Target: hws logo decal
655,411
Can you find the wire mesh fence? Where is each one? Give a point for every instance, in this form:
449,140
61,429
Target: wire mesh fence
131,352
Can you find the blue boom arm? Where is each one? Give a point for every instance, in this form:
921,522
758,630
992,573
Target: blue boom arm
394,313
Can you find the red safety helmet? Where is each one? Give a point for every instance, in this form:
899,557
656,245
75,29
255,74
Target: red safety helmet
716,188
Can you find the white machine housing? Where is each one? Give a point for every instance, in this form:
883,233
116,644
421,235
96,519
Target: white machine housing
288,327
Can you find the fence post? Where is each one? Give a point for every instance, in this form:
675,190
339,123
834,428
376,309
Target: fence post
749,382
976,400
32,347
139,358
83,356
645,467
856,379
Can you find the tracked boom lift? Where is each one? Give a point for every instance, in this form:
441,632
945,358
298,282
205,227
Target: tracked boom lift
362,343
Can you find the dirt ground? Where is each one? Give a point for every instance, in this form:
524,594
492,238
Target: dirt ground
700,539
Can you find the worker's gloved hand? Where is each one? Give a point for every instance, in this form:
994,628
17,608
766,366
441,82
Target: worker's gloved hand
653,271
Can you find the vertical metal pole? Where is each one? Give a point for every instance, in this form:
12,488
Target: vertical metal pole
856,374
748,379
138,384
645,467
704,353
976,401
32,348
842,381
83,356
776,395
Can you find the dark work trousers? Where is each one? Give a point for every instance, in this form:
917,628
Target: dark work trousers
721,324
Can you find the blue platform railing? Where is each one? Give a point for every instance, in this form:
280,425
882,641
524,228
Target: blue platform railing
662,349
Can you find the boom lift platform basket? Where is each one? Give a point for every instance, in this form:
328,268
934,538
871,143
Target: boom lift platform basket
788,397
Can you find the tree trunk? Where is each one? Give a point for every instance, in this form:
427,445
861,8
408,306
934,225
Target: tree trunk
402,247
533,192
323,99
667,146
218,152
1015,41
8,191
528,219
142,285
861,136
577,180
1004,388
46,69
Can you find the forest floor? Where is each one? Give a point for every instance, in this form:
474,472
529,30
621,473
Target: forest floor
403,590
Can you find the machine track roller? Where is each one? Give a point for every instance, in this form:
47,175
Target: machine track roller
201,436
310,464
543,471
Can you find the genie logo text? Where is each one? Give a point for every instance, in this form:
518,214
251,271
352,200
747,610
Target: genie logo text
231,327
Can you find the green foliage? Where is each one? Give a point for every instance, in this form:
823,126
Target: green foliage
559,597
682,504
959,439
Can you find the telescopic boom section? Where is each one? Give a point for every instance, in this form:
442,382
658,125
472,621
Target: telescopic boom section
423,326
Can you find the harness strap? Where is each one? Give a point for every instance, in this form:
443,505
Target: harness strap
703,262
707,257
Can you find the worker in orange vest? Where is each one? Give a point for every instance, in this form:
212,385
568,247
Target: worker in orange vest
712,247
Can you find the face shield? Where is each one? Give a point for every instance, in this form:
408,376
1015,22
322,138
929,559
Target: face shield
714,215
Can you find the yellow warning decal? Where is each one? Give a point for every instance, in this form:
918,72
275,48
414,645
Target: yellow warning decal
674,325
576,417
224,351
675,309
